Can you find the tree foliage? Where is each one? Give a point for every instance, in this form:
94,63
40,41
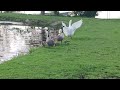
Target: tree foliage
42,12
85,13
56,13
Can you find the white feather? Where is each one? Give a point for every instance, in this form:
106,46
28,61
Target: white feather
65,29
69,31
77,24
64,25
70,22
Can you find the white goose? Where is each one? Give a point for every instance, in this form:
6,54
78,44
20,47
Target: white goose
69,31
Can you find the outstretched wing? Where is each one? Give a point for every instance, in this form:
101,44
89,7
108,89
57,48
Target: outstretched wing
65,31
77,24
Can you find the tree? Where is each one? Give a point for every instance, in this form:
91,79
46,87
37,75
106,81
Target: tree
42,12
56,13
89,13
85,13
9,11
75,13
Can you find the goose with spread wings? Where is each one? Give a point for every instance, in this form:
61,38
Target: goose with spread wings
70,30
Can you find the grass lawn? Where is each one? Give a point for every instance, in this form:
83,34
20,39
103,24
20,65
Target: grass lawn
93,53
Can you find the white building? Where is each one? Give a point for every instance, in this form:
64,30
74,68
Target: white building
108,15
37,12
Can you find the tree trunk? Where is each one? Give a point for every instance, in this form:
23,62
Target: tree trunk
56,13
42,12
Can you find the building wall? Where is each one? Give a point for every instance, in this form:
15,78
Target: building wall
108,15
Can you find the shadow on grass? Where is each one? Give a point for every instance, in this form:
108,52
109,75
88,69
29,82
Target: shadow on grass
88,38
111,77
65,43
82,76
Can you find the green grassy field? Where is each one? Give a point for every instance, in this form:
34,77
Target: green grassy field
93,53
36,20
